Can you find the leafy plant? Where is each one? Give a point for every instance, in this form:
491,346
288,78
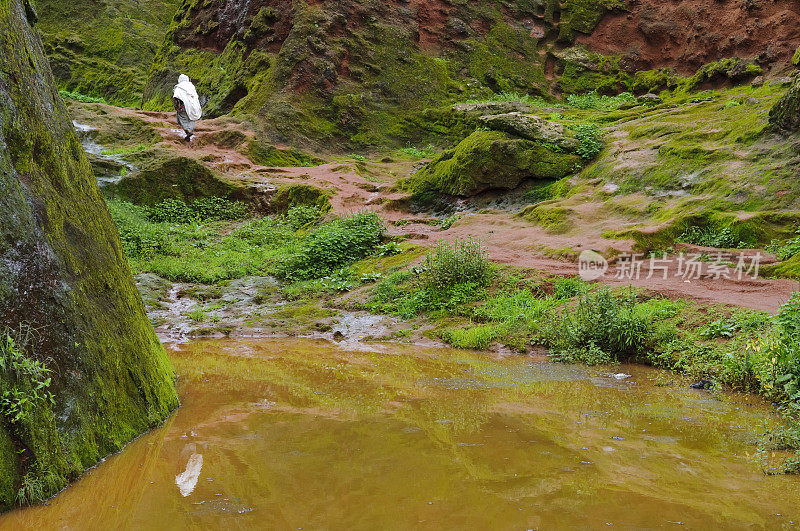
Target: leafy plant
24,381
301,215
448,222
719,328
590,138
388,249
333,246
711,237
197,316
786,249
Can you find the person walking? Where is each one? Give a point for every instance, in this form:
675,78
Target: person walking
187,105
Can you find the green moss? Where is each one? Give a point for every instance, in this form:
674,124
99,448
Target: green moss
9,475
111,378
733,69
785,115
268,155
300,194
488,160
582,16
554,219
104,48
172,178
787,269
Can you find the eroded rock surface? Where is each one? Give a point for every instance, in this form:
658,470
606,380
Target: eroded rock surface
66,285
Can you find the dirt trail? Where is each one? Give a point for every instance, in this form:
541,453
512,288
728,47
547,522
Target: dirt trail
509,239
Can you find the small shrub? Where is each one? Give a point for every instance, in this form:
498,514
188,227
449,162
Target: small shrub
612,323
568,287
463,261
591,141
780,373
197,316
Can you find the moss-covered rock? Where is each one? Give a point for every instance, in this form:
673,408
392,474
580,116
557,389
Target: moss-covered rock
785,115
172,178
531,128
489,160
300,195
268,155
104,47
63,276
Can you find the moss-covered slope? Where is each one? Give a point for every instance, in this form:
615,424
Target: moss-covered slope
356,70
66,288
104,47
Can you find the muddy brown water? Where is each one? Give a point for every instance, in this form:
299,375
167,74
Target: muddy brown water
303,434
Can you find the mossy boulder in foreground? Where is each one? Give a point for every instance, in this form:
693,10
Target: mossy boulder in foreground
489,160
63,278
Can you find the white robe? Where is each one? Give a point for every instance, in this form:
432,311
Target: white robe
186,92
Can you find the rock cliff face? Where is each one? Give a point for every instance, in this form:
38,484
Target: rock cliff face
360,70
355,69
104,47
67,298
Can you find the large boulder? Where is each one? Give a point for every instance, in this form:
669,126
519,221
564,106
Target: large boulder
488,160
172,177
68,303
785,115
531,128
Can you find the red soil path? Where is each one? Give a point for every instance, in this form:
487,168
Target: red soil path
508,238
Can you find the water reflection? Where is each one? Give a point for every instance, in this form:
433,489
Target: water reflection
187,480
292,433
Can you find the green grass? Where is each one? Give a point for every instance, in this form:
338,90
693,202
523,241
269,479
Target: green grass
83,98
138,148
510,96
214,251
594,101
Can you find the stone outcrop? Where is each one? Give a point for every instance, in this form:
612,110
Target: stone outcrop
531,128
491,160
67,298
785,115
